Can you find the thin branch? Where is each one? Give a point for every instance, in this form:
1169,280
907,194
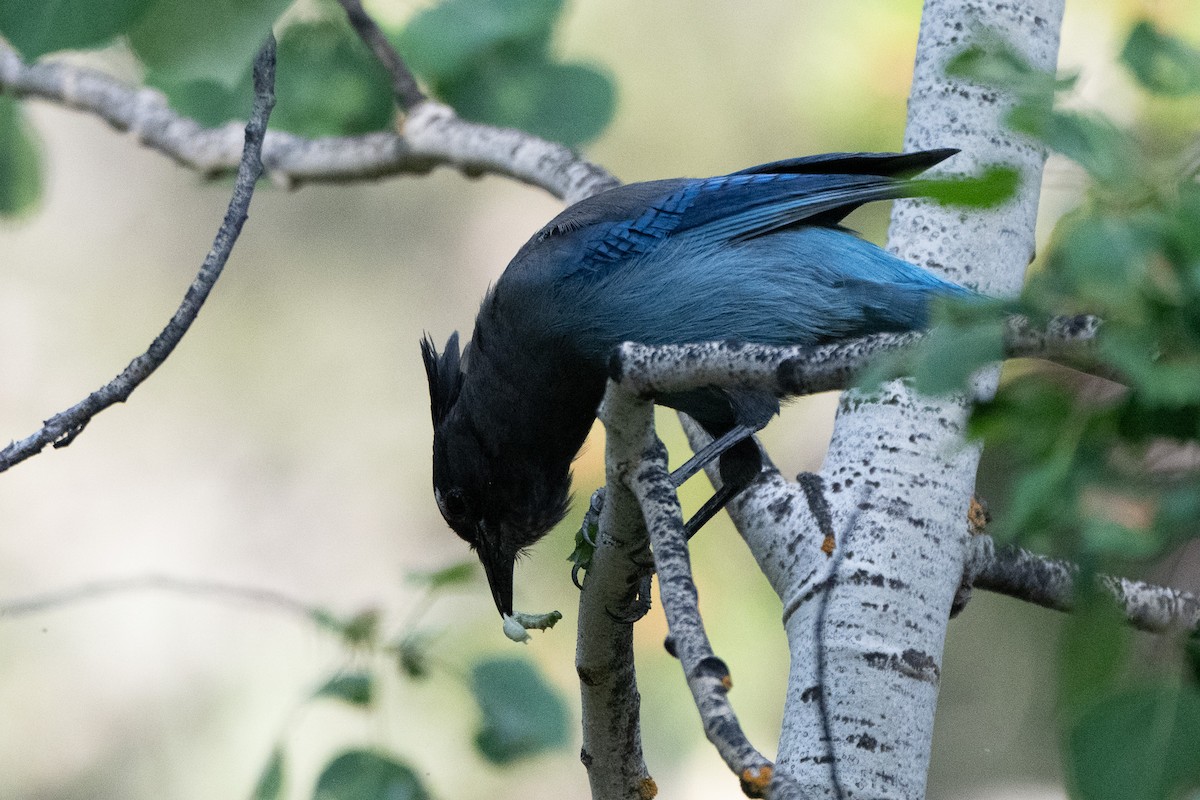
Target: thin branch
1052,583
641,459
99,589
799,371
61,429
293,160
404,86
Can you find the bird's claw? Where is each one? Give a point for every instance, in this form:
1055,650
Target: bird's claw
638,607
585,538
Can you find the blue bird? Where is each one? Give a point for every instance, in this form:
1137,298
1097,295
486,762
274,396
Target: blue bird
756,256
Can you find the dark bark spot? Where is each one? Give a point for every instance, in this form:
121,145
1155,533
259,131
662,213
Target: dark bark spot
865,742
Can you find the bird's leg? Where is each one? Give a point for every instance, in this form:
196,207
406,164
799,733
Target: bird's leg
709,452
741,463
710,508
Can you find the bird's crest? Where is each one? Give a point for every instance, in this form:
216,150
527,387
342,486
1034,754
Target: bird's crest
445,376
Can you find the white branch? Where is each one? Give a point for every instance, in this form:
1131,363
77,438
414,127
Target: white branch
637,459
796,371
430,136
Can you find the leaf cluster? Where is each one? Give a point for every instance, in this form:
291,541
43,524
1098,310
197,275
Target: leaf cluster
521,715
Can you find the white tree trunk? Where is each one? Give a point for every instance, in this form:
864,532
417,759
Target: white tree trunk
866,624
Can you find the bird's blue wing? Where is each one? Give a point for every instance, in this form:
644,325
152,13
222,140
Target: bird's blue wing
756,201
803,287
896,165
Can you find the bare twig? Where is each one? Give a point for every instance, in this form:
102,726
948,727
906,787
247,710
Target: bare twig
293,160
641,460
404,85
807,370
1052,583
99,589
61,429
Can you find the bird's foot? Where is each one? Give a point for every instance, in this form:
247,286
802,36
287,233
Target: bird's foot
639,606
585,538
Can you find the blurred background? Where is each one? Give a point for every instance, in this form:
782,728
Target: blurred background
285,445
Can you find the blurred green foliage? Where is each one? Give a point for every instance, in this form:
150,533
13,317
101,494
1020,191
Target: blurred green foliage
490,59
211,41
522,714
364,775
45,27
270,782
1140,744
20,171
355,688
327,84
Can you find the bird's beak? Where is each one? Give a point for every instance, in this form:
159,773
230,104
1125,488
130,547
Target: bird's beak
499,570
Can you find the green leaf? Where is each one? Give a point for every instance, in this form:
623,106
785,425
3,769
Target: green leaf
489,59
444,40
1093,647
1027,414
1093,142
1161,63
359,630
208,102
1167,377
569,103
1177,512
363,775
1139,745
355,688
522,714
20,168
1105,537
952,352
1191,651
995,62
214,40
457,574
412,654
270,782
1098,259
329,83
1042,497
363,628
45,26
996,185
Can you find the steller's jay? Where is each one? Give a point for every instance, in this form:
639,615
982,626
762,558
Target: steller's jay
756,256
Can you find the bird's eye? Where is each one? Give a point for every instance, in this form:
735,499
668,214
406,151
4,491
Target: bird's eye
454,504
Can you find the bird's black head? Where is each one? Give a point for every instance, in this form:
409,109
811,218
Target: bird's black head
495,493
